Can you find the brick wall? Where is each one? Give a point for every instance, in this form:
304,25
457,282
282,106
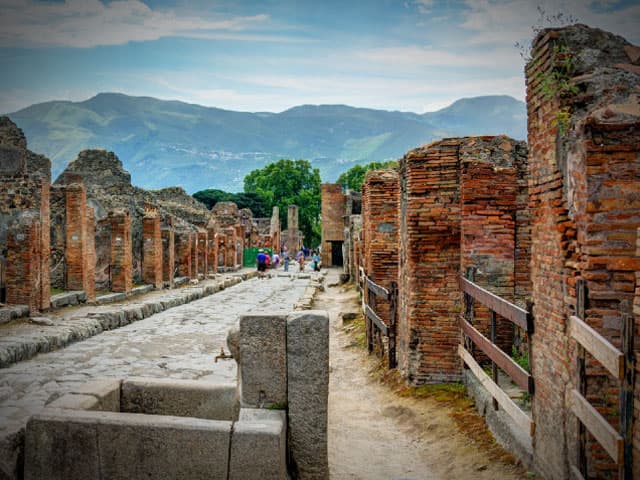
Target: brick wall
380,202
333,211
90,285
195,254
239,239
152,250
584,187
23,261
121,252
230,247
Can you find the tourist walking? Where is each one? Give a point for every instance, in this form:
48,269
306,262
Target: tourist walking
261,260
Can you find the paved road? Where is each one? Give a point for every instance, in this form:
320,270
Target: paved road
178,343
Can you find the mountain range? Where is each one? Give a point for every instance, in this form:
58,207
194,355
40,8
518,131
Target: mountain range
164,143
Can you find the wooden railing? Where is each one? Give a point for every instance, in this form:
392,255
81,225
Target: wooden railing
375,325
518,316
621,365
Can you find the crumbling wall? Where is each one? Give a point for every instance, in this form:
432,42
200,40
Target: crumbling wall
25,179
584,119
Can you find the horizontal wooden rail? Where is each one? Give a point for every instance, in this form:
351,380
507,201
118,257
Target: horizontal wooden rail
609,356
519,375
520,418
508,310
373,316
606,435
377,289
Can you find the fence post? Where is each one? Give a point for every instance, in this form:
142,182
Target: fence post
469,302
581,300
626,396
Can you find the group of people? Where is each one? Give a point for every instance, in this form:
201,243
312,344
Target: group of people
264,260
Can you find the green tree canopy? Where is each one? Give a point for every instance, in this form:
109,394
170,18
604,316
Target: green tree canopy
252,201
290,182
353,178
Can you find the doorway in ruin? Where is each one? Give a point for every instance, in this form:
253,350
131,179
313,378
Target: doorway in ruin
336,253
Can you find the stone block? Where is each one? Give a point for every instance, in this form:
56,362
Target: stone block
308,392
263,360
258,445
69,445
183,398
105,390
11,452
71,401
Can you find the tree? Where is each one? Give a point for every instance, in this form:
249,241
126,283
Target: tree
353,178
252,201
290,182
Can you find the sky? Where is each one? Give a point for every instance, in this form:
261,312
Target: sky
271,55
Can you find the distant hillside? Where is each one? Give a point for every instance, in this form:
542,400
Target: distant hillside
166,143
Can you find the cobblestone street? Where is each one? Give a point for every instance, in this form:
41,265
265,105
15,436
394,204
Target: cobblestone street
178,343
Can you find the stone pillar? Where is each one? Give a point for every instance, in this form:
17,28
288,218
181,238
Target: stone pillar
185,243
23,277
293,233
239,245
334,204
274,229
152,249
45,242
381,202
230,247
121,252
168,251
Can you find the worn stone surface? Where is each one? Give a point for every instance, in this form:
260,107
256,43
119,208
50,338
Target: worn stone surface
308,391
263,360
180,343
259,445
183,398
70,445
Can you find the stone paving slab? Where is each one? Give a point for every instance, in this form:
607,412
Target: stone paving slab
181,342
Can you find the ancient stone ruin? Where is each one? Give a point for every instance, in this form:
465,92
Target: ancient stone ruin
479,249
91,232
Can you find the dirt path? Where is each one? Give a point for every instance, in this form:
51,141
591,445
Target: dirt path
375,433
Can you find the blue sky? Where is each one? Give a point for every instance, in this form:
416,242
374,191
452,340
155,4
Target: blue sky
269,55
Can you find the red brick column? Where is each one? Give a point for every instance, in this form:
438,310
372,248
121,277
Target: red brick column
430,263
240,244
45,243
381,201
76,237
152,250
212,249
202,252
230,247
121,252
194,255
90,283
23,276
334,204
168,252
185,244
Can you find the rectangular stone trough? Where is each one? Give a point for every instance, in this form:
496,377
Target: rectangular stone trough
154,428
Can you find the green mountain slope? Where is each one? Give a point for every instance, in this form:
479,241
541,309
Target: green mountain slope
165,143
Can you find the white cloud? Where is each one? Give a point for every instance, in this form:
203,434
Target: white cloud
424,6
509,21
87,23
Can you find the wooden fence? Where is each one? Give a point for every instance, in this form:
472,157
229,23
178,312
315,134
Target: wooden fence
375,325
473,338
620,364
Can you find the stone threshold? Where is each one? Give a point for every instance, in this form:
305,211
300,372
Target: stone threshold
45,338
